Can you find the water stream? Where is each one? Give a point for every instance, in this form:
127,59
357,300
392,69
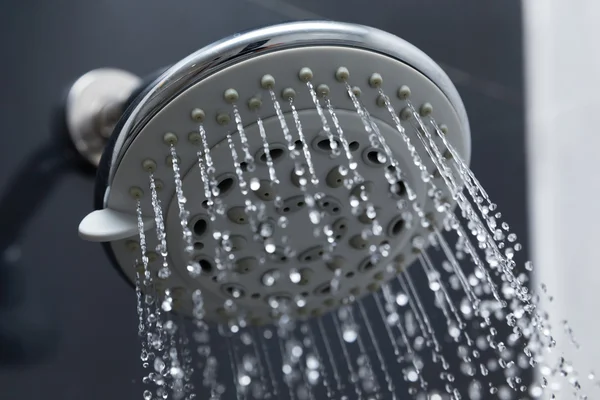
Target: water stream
382,346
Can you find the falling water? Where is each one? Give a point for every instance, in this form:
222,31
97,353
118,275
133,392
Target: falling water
451,184
330,237
352,164
261,387
366,374
164,272
248,159
349,336
403,335
267,150
333,145
477,283
223,257
147,308
315,363
307,156
388,379
336,375
265,352
505,262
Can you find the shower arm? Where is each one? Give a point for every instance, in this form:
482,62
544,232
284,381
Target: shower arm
27,335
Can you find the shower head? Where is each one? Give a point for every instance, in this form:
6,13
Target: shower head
280,156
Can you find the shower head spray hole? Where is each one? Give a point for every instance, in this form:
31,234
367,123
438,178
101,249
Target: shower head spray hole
237,215
266,191
396,226
323,289
324,144
374,157
246,265
366,265
278,256
225,185
200,226
276,151
206,265
398,189
233,290
353,146
312,254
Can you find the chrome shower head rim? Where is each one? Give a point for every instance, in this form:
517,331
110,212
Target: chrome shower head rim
219,55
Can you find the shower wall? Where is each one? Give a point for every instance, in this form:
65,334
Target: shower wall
69,297
562,64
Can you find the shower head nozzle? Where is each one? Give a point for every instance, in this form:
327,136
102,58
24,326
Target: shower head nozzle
277,166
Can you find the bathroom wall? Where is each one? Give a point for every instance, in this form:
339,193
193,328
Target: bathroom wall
64,297
562,86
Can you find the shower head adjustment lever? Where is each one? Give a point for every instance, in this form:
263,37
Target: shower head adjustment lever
109,225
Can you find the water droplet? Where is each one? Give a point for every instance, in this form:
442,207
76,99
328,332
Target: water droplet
164,273
254,184
282,222
176,372
315,216
159,365
295,275
270,246
529,266
244,380
194,269
312,362
402,299
270,277
350,333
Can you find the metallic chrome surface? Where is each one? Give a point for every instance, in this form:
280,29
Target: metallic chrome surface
240,47
94,105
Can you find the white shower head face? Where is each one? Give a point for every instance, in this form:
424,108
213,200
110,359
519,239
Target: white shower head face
359,232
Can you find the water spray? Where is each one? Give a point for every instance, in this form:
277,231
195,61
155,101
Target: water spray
296,178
